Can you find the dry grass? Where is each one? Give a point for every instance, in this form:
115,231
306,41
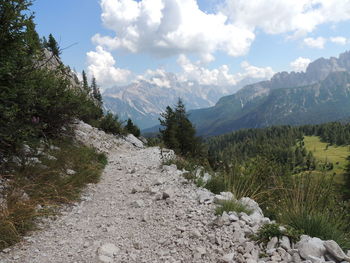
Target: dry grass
47,186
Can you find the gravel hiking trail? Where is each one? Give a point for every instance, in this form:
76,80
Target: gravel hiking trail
140,211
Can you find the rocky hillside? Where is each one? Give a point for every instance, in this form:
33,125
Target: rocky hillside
320,94
143,211
144,100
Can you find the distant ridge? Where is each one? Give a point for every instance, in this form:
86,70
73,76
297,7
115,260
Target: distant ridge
321,94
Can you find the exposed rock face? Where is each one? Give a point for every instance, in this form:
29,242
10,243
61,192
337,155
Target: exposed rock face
142,211
299,98
144,100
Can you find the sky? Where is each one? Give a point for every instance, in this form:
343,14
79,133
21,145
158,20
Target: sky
212,42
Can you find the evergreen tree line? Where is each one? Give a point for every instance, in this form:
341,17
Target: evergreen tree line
280,146
334,133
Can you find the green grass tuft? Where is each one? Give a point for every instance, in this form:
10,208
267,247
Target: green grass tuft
232,205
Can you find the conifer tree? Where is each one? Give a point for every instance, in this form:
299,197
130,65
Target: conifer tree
168,134
186,134
52,45
178,133
132,128
85,83
96,94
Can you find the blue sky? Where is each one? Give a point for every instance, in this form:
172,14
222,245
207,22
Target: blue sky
214,42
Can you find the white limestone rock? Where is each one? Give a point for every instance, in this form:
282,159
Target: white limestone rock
134,141
310,247
334,249
107,252
227,258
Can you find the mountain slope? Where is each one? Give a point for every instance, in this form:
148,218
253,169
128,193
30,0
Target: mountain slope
318,95
144,100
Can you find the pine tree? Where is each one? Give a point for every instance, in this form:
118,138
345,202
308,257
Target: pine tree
178,133
168,134
96,91
44,42
85,83
19,48
186,131
52,45
132,128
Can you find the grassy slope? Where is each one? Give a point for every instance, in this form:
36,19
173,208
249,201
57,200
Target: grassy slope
47,186
335,154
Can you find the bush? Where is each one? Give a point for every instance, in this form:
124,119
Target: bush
268,231
110,124
232,205
216,184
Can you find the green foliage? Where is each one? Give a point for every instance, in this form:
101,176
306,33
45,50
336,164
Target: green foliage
96,91
324,225
152,142
47,186
110,124
52,46
276,167
132,128
217,184
347,180
268,231
34,102
179,133
232,205
334,133
85,83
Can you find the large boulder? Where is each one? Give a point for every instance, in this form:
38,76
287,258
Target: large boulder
334,249
310,248
134,141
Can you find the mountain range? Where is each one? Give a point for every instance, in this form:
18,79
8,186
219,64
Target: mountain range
321,94
145,99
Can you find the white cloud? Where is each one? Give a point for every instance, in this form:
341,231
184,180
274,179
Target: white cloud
300,64
318,42
170,27
101,65
254,72
339,40
220,76
158,77
288,16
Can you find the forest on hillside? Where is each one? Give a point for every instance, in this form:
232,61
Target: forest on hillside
277,168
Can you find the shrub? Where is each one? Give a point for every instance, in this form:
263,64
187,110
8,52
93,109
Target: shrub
232,205
110,124
268,231
216,184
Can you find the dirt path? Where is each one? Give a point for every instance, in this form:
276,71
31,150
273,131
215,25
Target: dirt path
130,209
